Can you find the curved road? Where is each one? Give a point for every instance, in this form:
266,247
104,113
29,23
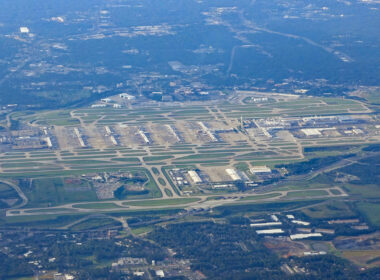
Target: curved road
203,202
19,192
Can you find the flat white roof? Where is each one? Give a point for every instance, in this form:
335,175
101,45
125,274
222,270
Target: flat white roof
274,217
127,96
266,224
232,173
314,253
300,222
108,130
113,140
48,142
194,176
311,131
304,235
260,169
98,105
269,231
143,136
79,136
160,273
24,29
208,132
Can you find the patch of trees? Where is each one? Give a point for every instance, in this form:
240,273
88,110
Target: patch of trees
134,180
238,220
367,171
78,252
228,251
315,163
72,255
15,124
122,192
137,220
220,251
332,267
372,148
98,273
12,267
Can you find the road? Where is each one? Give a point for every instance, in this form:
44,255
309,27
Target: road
19,192
204,202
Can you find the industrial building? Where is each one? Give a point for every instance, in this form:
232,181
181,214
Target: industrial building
233,174
304,235
127,96
300,222
260,169
173,132
207,131
194,176
24,29
79,136
269,224
144,137
270,231
311,131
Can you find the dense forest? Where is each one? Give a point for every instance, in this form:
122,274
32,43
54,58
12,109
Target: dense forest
226,251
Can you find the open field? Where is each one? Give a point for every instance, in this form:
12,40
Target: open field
54,191
371,212
330,209
309,193
366,258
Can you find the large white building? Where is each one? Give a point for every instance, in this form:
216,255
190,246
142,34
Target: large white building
233,174
24,29
270,231
194,176
127,96
260,169
269,224
304,235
